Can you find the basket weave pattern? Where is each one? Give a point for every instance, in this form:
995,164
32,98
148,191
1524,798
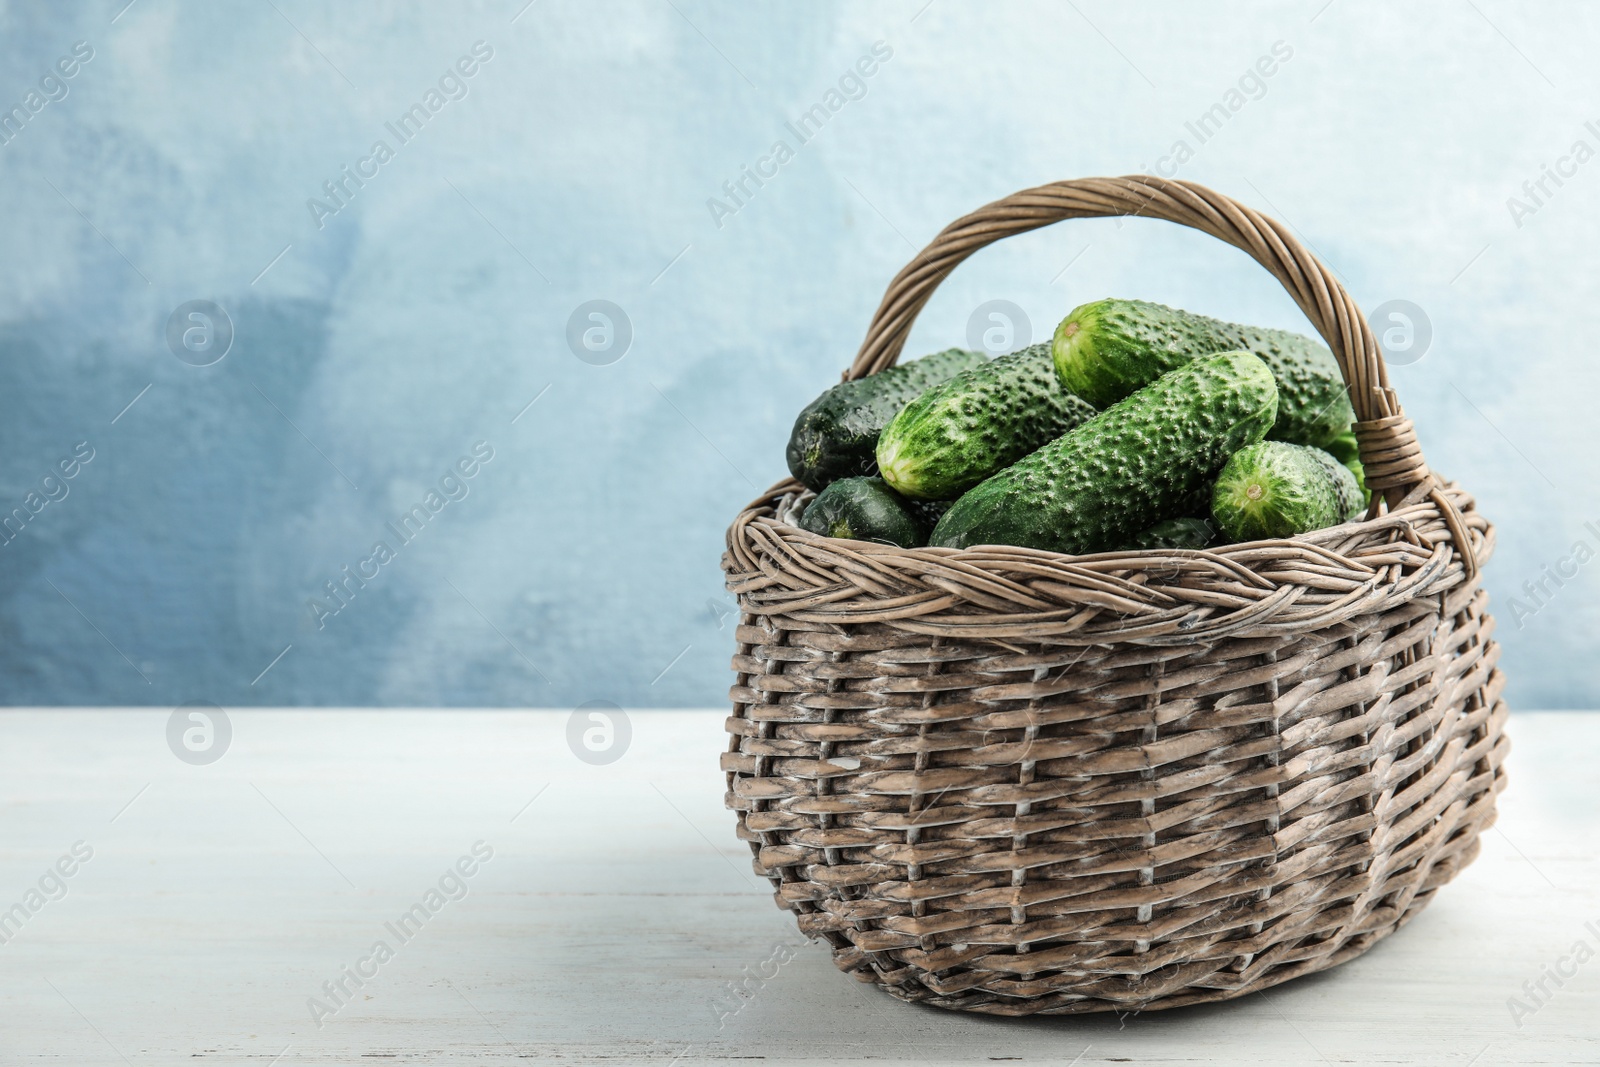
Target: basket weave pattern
1012,781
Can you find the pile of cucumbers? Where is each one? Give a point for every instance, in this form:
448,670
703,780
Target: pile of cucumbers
1137,426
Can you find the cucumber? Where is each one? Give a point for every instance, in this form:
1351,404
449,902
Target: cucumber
836,434
1345,449
1275,489
984,419
1107,349
1352,491
1133,464
1196,505
929,512
1187,532
865,509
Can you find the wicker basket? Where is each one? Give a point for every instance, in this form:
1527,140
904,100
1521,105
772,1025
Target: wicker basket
1013,781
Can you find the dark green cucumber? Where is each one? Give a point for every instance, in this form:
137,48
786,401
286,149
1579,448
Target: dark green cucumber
865,509
1196,505
1135,463
837,433
929,512
1352,494
1107,349
1187,532
1275,489
984,419
1345,449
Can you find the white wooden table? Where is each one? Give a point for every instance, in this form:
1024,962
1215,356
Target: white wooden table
617,907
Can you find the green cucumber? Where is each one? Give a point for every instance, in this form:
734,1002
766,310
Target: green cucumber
1275,489
929,512
1187,532
1345,449
1196,505
865,509
984,419
836,434
1135,463
1107,349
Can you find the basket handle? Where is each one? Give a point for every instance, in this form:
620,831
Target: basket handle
1392,458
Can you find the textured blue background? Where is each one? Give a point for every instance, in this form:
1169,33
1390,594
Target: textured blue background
428,311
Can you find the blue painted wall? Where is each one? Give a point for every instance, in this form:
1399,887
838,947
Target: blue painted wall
382,332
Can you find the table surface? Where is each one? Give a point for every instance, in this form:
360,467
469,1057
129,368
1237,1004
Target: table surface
616,918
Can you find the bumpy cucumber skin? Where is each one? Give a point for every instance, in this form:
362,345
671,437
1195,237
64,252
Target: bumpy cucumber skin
1106,349
984,419
1096,487
1276,489
1345,449
1348,484
1187,532
836,434
865,509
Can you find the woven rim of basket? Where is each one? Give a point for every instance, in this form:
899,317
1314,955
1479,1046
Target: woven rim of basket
1421,535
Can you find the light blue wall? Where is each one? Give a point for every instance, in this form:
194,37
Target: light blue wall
425,314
